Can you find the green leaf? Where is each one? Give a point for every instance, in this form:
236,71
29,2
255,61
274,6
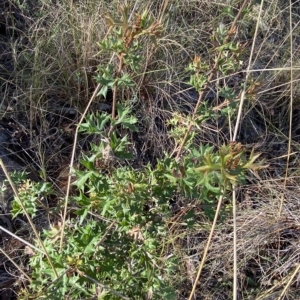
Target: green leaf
125,119
83,213
80,182
215,190
103,91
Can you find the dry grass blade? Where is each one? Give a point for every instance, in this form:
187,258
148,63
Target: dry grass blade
289,144
16,265
235,265
206,247
97,89
21,240
71,167
234,139
289,283
242,98
242,246
290,109
28,217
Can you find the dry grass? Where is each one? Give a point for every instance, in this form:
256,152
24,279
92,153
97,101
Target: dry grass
49,79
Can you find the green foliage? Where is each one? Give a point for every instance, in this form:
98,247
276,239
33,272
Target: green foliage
198,77
113,242
30,193
121,248
123,42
